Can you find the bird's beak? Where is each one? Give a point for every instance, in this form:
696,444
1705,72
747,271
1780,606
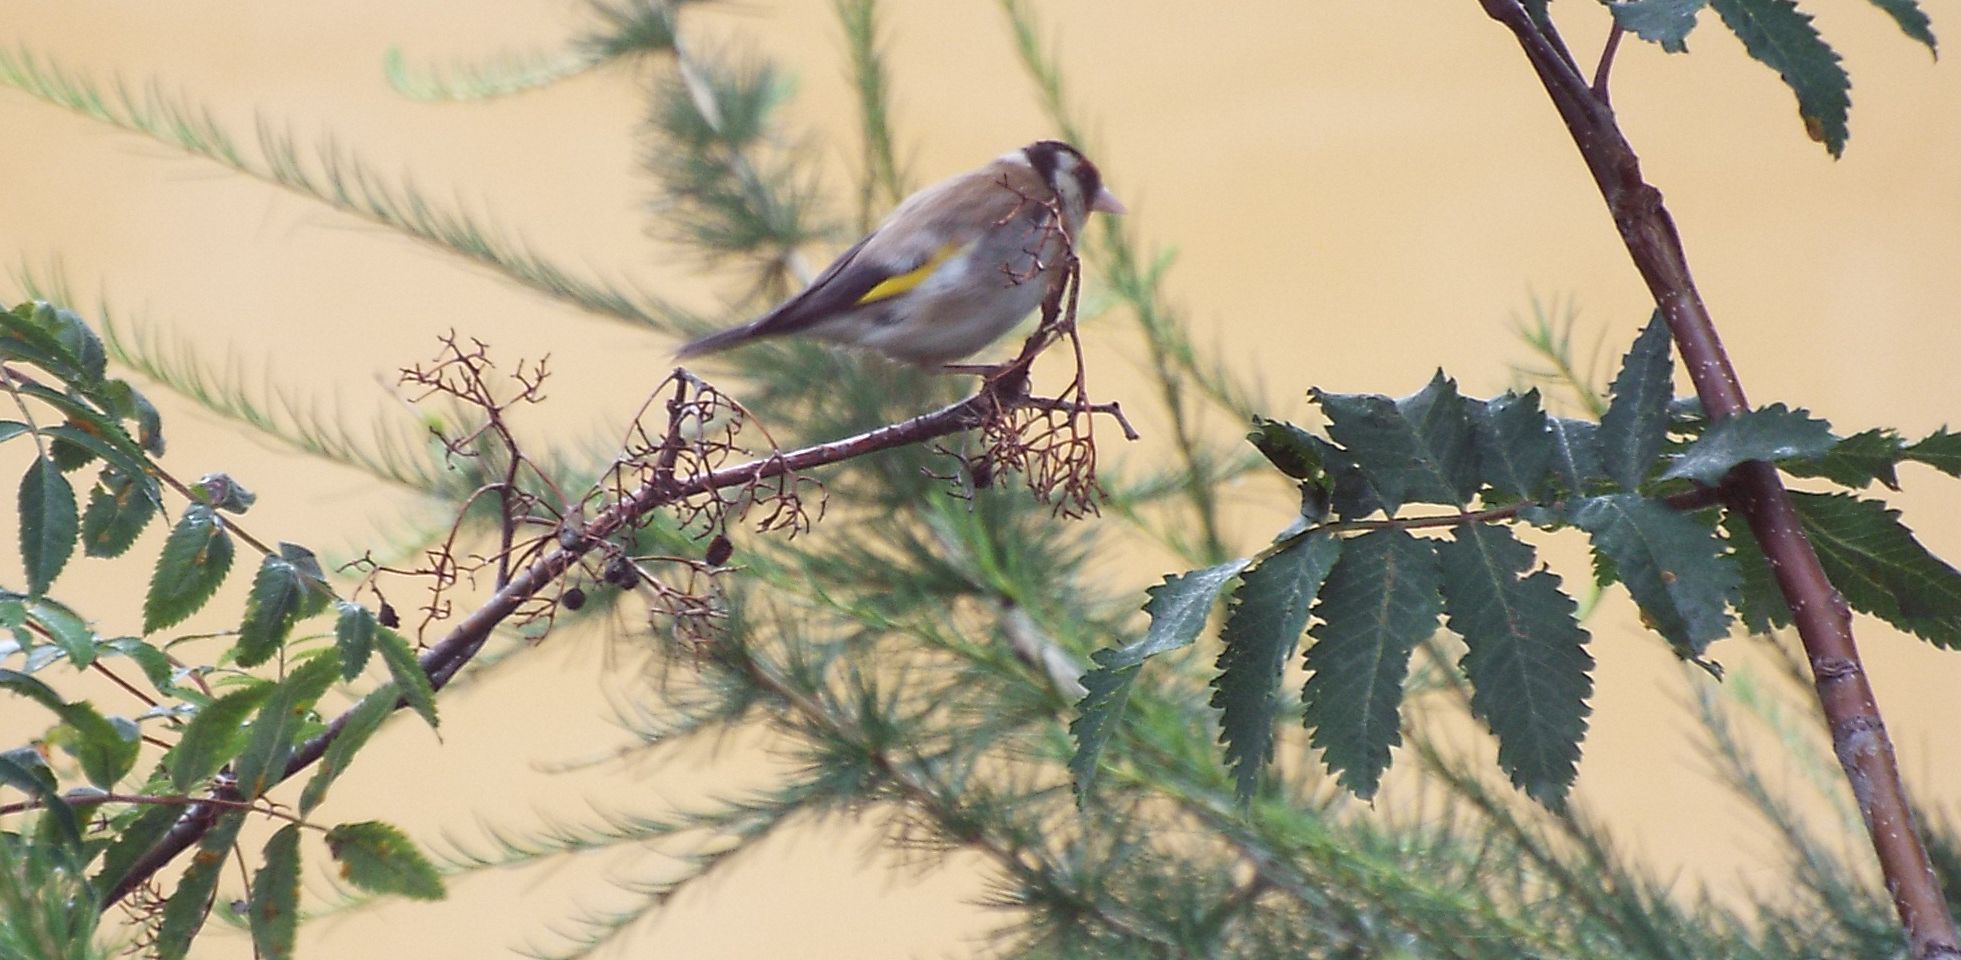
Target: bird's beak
1107,202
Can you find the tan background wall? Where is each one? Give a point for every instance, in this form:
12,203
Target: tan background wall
1358,193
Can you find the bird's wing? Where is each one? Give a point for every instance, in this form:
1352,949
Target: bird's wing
889,262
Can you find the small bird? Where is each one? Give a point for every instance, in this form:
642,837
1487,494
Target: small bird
957,265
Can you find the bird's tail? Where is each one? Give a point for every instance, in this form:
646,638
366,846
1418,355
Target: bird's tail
718,341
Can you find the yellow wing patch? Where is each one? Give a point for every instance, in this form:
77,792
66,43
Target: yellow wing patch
893,286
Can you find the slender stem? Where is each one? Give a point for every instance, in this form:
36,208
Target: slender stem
1823,620
1606,62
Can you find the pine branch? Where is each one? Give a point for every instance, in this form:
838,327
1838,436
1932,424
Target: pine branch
335,177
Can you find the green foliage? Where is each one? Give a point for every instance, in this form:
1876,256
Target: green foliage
1262,630
407,673
215,735
1526,660
1636,422
190,903
1774,433
1380,601
1515,445
379,858
1880,568
47,909
288,588
120,507
1780,36
1526,666
1671,564
275,903
284,718
1416,449
1663,22
48,524
1179,608
361,724
195,559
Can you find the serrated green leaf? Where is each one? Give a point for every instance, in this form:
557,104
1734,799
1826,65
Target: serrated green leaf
36,336
17,682
362,722
1780,36
407,674
1760,603
1178,608
195,559
1262,630
378,858
1672,564
1414,450
279,722
48,523
1940,450
1289,448
155,665
80,342
33,778
354,632
86,444
1576,452
275,903
1912,21
278,593
1106,691
1514,444
317,594
106,750
1380,601
214,736
1664,22
184,915
120,507
1774,433
1875,562
70,632
10,429
1636,422
1352,497
1855,461
1526,658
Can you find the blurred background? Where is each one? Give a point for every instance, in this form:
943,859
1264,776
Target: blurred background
1354,195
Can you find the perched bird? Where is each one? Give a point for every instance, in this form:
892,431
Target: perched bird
957,265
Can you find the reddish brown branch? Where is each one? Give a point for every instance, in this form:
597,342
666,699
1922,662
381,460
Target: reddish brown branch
660,487
1753,489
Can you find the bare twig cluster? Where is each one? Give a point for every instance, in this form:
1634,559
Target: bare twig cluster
676,459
